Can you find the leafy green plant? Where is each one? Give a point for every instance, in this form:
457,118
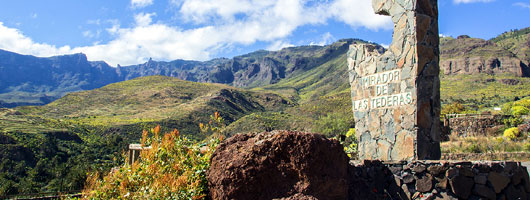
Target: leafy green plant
520,110
511,133
173,168
526,147
215,126
513,121
474,148
333,124
350,143
454,108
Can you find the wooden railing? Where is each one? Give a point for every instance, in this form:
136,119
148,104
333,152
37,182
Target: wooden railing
134,152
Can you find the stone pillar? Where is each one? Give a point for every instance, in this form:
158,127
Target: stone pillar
396,92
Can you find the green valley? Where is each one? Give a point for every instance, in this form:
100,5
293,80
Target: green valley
53,146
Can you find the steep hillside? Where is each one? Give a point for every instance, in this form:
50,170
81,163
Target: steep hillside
483,92
516,41
29,80
39,154
466,55
250,70
323,100
177,103
50,148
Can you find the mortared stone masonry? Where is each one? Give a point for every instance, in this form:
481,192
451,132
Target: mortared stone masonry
396,93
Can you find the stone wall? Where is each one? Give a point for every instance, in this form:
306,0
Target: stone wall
396,93
439,180
474,125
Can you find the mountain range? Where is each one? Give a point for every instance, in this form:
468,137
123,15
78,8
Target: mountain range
29,80
93,111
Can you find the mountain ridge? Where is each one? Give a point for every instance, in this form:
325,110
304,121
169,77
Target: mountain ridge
506,53
30,80
38,81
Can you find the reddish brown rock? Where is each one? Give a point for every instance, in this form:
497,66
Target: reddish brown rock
424,184
419,168
461,186
481,179
484,191
278,164
515,193
498,181
435,170
442,183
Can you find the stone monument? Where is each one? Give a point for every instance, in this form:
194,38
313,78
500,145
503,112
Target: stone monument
396,93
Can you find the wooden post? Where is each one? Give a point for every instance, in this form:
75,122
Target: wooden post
134,152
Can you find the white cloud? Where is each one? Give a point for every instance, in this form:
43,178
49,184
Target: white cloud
95,21
141,3
143,19
13,40
277,45
218,25
359,13
356,13
522,5
471,1
88,34
327,38
91,34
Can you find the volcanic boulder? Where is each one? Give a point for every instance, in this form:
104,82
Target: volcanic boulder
278,164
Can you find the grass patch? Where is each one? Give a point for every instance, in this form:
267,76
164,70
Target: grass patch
485,145
482,92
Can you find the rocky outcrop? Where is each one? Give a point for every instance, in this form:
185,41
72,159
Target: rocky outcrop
479,64
278,164
466,55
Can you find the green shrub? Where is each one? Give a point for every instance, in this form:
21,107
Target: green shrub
521,107
333,124
507,108
350,143
520,110
174,168
513,121
523,102
511,133
454,108
526,147
474,148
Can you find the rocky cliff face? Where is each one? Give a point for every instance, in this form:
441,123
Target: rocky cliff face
250,70
28,80
466,55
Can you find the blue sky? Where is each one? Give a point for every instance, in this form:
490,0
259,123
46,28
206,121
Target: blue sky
132,31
